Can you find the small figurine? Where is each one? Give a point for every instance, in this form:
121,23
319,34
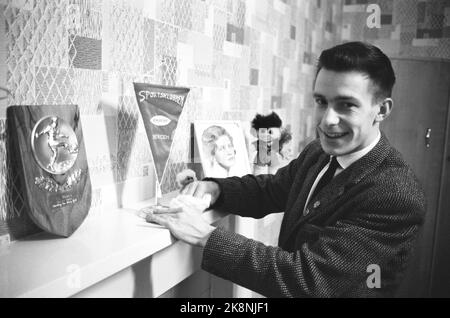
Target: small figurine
266,148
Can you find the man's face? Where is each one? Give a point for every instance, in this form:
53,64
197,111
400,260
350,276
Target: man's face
345,111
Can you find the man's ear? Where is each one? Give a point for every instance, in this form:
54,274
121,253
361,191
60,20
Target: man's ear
385,108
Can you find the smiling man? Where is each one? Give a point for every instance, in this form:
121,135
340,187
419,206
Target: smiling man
351,202
347,112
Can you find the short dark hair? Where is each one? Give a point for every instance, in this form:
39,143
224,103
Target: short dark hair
267,121
361,57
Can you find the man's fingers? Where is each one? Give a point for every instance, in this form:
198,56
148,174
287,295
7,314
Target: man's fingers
192,187
157,218
189,188
183,190
167,210
199,192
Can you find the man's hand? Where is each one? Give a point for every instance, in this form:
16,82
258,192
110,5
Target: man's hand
185,177
184,222
199,189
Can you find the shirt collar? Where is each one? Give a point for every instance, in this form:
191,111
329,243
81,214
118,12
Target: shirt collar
347,160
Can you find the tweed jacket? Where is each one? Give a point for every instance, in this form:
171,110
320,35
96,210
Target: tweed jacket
368,214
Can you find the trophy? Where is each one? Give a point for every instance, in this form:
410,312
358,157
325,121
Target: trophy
48,154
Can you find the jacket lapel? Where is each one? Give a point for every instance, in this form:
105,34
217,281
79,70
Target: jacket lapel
336,188
291,218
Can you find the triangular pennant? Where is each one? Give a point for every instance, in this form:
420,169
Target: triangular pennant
160,107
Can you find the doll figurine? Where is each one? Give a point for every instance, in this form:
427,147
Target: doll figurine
265,154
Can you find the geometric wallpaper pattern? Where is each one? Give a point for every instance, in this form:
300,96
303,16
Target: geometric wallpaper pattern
408,28
238,57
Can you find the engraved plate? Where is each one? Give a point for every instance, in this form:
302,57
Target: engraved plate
54,145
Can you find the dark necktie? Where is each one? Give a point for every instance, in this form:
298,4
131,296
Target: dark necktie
328,175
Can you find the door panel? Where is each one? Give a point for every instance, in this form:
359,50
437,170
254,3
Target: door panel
440,284
420,103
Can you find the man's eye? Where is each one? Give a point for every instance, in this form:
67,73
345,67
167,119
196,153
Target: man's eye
349,105
320,101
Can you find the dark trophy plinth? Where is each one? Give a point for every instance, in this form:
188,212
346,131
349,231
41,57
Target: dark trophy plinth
48,155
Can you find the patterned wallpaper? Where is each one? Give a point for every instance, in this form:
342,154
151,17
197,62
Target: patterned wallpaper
238,57
408,28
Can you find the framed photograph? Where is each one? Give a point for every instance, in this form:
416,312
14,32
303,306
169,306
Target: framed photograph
222,148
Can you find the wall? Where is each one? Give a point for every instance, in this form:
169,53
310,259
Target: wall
238,57
408,28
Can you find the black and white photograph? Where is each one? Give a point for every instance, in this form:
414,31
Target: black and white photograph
222,148
225,153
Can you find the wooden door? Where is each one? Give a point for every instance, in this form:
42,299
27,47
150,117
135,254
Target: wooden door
421,106
440,280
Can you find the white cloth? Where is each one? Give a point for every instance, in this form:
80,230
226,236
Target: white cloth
182,200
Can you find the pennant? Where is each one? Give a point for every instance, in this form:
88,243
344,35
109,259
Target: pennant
160,107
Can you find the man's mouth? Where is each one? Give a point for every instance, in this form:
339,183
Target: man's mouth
334,135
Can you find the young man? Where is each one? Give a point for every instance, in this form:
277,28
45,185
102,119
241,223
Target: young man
352,205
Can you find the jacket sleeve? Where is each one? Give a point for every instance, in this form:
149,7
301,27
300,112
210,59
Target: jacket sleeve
257,196
333,265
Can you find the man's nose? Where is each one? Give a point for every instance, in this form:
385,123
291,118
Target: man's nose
330,117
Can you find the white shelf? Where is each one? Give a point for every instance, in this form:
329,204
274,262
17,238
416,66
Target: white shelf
46,266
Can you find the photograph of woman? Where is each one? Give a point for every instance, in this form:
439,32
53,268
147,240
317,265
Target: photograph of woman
222,149
218,145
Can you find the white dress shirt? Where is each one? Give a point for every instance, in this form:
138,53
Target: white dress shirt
344,162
